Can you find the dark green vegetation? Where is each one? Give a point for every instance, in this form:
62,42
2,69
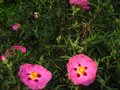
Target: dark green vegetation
60,32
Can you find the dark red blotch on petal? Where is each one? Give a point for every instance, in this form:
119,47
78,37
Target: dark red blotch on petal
36,80
78,75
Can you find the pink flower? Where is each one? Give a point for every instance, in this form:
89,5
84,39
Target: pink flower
16,26
3,58
7,52
81,70
17,47
84,4
34,76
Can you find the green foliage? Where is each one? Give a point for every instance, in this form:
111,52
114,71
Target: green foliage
60,32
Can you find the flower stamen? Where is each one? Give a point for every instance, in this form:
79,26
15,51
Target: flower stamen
81,70
34,75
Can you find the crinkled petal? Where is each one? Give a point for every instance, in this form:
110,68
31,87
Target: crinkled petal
21,48
85,61
32,84
84,4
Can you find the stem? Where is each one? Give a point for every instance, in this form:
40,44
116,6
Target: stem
77,88
11,73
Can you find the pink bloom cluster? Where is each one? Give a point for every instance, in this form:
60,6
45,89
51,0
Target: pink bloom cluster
84,4
34,76
7,53
16,26
81,70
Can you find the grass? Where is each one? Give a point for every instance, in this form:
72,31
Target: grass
60,32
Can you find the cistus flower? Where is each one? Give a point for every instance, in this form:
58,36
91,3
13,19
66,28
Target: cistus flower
81,70
84,4
3,58
34,76
17,47
16,26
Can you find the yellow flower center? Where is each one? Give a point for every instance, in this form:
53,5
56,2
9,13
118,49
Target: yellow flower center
34,75
81,70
